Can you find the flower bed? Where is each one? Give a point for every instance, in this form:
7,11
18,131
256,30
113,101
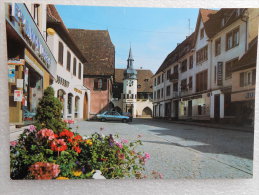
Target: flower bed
44,154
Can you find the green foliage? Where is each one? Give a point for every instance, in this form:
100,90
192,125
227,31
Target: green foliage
49,112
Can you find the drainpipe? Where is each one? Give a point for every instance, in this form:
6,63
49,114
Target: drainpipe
244,18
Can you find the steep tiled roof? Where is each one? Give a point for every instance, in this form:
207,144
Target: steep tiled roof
248,59
54,21
181,50
97,47
144,77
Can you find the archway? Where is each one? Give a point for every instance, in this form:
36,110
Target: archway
85,114
61,96
69,103
147,112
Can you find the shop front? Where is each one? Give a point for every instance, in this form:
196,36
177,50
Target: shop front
31,65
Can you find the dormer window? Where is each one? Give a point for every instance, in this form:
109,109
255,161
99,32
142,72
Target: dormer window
202,33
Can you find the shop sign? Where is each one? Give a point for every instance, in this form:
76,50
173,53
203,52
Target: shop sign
62,81
17,62
17,95
19,83
77,90
219,73
25,26
11,74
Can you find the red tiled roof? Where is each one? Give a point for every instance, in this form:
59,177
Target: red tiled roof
144,77
97,47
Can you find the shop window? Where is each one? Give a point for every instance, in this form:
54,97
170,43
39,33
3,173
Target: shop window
68,61
217,47
60,53
74,67
232,39
228,108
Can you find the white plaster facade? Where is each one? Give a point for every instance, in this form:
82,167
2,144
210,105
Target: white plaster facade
71,85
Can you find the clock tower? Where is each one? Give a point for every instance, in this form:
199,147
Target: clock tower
129,95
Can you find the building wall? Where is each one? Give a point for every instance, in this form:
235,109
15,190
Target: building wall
141,105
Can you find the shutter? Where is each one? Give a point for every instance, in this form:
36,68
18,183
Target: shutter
242,79
104,87
253,76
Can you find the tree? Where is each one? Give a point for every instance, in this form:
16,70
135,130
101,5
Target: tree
49,112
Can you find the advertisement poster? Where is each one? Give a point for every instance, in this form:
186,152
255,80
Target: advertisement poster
19,83
11,74
17,95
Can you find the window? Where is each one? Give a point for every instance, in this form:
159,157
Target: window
80,71
247,78
202,33
202,81
190,62
168,73
215,74
155,82
100,84
36,13
190,83
232,39
60,53
162,78
158,79
228,68
184,85
168,90
175,87
176,69
68,61
202,55
217,46
154,94
158,94
184,66
162,92
74,67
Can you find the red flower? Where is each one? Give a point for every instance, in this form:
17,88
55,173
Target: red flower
66,133
43,170
58,145
78,138
77,149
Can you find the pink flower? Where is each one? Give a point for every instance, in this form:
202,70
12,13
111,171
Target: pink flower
124,141
147,155
46,133
119,145
13,143
32,128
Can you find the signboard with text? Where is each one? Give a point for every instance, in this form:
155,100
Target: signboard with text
17,95
219,73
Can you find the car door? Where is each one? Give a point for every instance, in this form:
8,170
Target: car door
108,116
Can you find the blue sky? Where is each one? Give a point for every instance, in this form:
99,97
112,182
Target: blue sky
152,32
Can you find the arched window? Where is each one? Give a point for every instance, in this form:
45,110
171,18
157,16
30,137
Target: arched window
69,103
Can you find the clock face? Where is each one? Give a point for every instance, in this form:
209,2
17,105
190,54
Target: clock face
130,83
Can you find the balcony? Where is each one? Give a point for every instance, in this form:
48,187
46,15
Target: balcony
185,93
174,77
175,94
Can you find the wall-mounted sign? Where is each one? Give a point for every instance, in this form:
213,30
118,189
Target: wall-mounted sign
11,74
77,90
25,26
19,83
17,95
219,73
250,95
62,81
17,62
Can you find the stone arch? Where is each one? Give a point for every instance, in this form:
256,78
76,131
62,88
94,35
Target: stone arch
147,112
86,109
77,102
118,109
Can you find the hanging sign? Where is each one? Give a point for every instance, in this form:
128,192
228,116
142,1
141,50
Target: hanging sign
17,95
11,74
219,73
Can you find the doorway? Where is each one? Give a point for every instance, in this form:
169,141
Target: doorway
190,108
217,107
85,114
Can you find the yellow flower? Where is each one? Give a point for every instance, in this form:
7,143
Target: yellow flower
62,178
89,142
77,173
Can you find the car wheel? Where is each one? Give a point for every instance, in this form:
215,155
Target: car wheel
103,119
124,120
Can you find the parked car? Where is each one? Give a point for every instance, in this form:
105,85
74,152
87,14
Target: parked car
128,114
112,115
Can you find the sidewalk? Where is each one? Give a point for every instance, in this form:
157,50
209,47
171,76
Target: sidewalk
210,125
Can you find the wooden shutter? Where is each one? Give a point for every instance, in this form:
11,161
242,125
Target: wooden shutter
242,79
253,76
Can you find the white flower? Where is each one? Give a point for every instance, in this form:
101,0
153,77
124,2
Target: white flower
86,137
98,175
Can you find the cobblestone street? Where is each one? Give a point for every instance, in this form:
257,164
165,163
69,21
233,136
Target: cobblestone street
185,151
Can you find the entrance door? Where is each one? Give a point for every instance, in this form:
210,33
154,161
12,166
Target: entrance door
176,109
85,114
190,108
217,107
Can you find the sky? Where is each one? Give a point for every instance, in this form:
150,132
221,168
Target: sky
152,33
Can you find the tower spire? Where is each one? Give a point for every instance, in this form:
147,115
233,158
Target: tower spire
130,59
